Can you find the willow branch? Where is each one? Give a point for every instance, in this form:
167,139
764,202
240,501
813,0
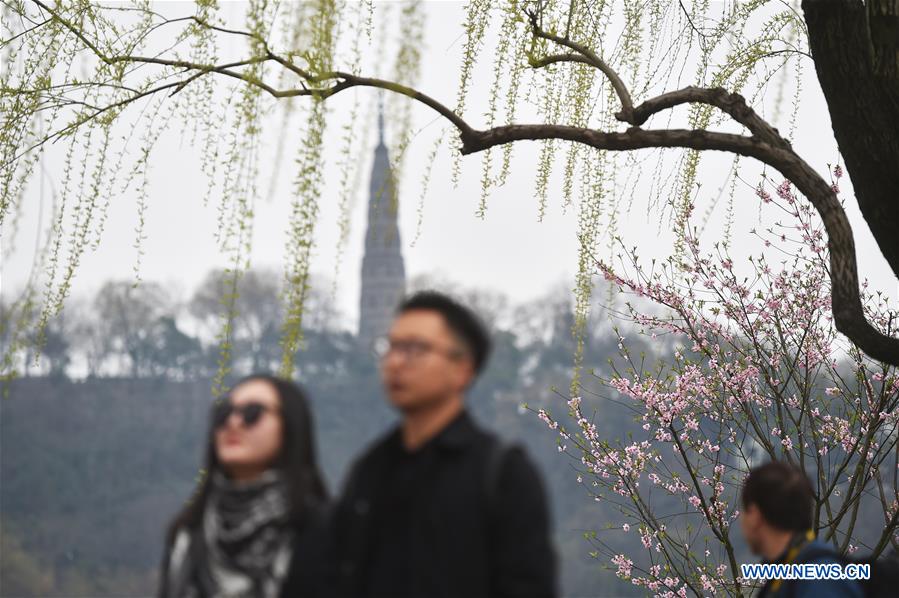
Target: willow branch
765,145
350,80
591,58
8,41
553,59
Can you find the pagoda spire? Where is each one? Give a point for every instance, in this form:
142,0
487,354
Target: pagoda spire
381,119
383,269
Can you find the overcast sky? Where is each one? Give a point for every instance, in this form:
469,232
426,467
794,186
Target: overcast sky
508,250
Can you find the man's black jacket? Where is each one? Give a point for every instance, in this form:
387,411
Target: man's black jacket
462,516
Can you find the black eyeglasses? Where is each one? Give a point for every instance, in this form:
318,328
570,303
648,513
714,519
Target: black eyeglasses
249,412
410,349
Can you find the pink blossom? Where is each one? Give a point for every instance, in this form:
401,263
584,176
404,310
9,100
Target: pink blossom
624,565
545,417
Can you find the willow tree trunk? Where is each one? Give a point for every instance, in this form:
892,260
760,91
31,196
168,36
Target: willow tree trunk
856,52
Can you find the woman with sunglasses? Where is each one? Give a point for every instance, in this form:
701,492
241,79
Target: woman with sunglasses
255,524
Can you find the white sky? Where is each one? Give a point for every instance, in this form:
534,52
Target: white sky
508,251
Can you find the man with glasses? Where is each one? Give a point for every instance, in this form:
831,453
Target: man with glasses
439,506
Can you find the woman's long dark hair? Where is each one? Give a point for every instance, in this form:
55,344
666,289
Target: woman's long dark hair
297,459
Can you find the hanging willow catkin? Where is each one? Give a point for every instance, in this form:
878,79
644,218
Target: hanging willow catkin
103,76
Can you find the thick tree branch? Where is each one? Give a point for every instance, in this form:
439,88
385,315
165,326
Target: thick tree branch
732,104
849,316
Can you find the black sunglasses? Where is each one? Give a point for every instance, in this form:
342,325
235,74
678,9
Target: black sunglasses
249,412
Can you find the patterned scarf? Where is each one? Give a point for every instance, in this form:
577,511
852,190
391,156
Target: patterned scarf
245,545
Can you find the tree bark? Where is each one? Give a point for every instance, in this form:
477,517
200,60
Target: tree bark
856,53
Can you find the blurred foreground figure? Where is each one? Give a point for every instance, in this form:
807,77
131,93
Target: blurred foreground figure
255,526
777,522
440,507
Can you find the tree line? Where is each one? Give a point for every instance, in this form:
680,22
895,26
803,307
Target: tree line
147,331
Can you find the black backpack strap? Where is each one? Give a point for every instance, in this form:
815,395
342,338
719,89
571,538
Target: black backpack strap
495,458
352,527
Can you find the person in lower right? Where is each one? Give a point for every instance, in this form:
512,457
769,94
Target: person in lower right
777,522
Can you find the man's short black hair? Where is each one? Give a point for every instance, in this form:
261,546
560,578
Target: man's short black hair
783,494
461,321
